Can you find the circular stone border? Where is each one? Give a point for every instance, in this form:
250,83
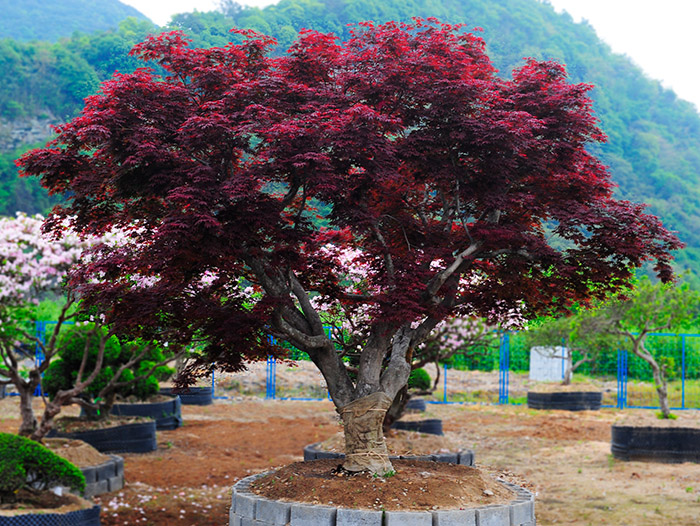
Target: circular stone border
250,508
464,457
105,477
565,400
84,517
656,444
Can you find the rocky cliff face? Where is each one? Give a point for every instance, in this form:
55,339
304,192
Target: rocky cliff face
26,130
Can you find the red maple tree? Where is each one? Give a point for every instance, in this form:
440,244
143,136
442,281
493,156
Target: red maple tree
461,193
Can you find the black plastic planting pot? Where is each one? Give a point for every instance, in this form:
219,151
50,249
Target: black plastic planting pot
191,395
432,426
416,404
657,444
85,517
566,401
126,438
167,414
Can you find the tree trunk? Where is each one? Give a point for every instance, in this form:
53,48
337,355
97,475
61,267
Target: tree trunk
569,366
26,411
397,409
52,409
661,389
365,448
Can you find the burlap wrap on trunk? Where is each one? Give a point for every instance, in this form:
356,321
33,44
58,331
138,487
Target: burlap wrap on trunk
365,448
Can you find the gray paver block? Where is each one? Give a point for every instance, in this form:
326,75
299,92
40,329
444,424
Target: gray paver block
454,518
452,458
348,517
272,511
245,505
245,521
116,483
309,515
406,518
99,487
106,470
466,457
90,474
325,454
234,519
493,516
521,513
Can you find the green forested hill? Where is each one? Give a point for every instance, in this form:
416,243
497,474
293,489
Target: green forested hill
51,19
654,138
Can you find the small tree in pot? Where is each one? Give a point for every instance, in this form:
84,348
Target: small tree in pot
568,330
94,367
437,172
647,308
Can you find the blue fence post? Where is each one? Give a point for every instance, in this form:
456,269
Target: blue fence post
563,358
683,371
40,331
621,379
270,385
444,389
626,376
39,357
504,366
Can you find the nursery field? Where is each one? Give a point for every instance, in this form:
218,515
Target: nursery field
564,457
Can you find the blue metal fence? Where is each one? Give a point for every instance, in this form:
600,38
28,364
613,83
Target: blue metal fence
680,354
680,351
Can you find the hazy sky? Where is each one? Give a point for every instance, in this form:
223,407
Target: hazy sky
662,37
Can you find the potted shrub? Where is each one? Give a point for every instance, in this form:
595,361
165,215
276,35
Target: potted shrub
123,373
651,308
585,345
436,177
28,473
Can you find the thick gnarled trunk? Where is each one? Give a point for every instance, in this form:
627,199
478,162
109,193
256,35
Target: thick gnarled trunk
397,409
365,448
29,422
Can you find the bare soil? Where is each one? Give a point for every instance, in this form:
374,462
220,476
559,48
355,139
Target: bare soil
77,452
416,486
76,424
43,502
685,419
565,456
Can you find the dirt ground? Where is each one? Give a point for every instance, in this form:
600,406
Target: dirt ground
565,456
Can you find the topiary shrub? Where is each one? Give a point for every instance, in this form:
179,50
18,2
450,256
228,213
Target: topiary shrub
134,381
27,464
419,379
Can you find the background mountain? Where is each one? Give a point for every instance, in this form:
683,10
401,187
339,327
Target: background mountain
51,19
654,138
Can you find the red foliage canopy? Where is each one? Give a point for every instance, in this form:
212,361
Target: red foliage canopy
464,192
